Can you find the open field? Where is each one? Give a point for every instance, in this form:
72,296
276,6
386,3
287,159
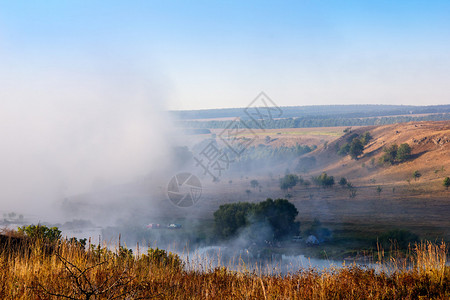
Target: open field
367,214
291,136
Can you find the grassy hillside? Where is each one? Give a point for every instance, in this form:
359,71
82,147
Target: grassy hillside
430,143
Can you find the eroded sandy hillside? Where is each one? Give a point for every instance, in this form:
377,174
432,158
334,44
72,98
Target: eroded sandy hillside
430,143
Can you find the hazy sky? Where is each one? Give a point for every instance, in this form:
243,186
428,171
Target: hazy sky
205,54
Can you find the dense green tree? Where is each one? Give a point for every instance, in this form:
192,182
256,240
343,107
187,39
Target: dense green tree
403,152
343,181
366,138
278,214
344,150
395,154
390,154
229,218
41,232
289,181
356,148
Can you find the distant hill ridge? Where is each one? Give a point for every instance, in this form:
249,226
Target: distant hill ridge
342,111
317,116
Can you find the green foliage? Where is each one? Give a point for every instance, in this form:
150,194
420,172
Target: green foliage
279,214
379,190
229,218
390,154
366,138
416,174
403,152
41,232
395,154
355,145
161,258
314,119
446,182
288,181
344,150
399,238
343,181
356,148
323,180
79,242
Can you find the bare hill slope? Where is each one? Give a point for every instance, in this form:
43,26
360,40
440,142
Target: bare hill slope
430,143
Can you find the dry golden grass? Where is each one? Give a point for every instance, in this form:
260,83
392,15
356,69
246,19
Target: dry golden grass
71,272
430,143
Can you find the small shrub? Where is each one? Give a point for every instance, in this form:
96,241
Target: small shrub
379,190
416,175
161,258
41,232
446,182
323,180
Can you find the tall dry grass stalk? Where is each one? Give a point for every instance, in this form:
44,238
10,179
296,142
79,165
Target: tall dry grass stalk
36,270
431,260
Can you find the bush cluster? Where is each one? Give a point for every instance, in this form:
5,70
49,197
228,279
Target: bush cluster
323,180
355,145
279,215
396,154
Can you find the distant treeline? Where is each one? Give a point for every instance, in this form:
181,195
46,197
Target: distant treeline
320,111
318,121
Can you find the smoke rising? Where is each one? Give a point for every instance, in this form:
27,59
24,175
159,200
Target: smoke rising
68,132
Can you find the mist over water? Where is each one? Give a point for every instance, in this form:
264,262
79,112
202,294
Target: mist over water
211,257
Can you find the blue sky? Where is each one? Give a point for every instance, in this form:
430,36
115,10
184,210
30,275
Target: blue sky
204,54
